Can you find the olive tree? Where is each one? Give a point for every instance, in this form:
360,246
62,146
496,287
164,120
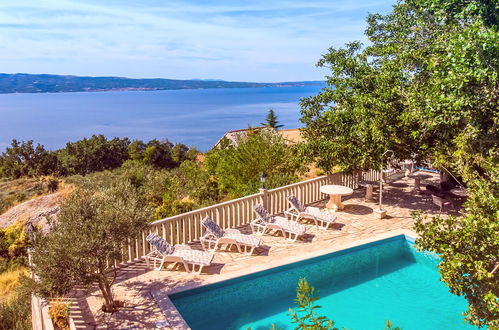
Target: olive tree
87,237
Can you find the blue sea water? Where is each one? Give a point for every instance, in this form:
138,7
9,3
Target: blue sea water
359,288
193,117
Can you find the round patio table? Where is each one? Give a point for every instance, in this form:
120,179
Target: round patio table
335,192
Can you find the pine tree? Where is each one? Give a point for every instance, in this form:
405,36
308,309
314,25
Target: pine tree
272,120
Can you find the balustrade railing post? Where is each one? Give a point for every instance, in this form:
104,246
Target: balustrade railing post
264,193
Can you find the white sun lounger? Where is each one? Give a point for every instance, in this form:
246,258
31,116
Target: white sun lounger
164,252
217,236
266,222
298,210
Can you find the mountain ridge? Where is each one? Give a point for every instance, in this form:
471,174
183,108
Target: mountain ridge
49,83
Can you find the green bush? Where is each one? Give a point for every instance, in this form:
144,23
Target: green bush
13,245
171,208
59,314
238,168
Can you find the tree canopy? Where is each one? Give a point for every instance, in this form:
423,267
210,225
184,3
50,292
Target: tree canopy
89,232
25,159
427,79
426,87
237,169
85,156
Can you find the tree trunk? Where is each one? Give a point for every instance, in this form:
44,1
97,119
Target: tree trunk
105,288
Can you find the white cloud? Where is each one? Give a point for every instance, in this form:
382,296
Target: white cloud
252,41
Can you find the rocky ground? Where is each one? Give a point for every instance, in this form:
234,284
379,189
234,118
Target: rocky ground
35,210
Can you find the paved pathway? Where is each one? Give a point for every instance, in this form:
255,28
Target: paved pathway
356,223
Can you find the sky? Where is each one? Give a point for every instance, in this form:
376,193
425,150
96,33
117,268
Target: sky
261,40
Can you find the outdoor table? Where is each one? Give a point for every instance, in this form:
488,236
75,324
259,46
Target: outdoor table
417,181
335,192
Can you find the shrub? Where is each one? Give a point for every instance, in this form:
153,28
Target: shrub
305,317
13,245
171,208
238,168
59,313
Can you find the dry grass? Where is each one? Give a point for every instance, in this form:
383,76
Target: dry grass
9,282
13,192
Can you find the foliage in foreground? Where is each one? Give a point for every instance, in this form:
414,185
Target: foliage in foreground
469,248
15,307
427,88
90,231
305,317
9,281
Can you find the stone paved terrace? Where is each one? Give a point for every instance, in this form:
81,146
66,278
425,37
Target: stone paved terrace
356,225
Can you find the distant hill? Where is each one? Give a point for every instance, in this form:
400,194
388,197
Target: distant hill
46,83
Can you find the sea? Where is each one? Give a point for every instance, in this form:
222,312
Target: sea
194,117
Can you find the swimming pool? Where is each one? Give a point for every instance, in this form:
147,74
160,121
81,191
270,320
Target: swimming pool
359,288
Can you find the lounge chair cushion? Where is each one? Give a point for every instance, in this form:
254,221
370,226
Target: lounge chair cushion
248,240
160,244
310,210
212,227
296,203
194,256
263,214
318,214
290,226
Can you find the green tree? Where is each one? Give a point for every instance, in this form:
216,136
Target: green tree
136,149
271,120
179,153
429,69
237,169
94,154
159,154
468,246
24,159
90,231
426,87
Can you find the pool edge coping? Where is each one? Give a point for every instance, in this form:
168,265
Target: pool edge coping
175,319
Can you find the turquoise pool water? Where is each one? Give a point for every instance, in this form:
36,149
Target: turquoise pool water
359,288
